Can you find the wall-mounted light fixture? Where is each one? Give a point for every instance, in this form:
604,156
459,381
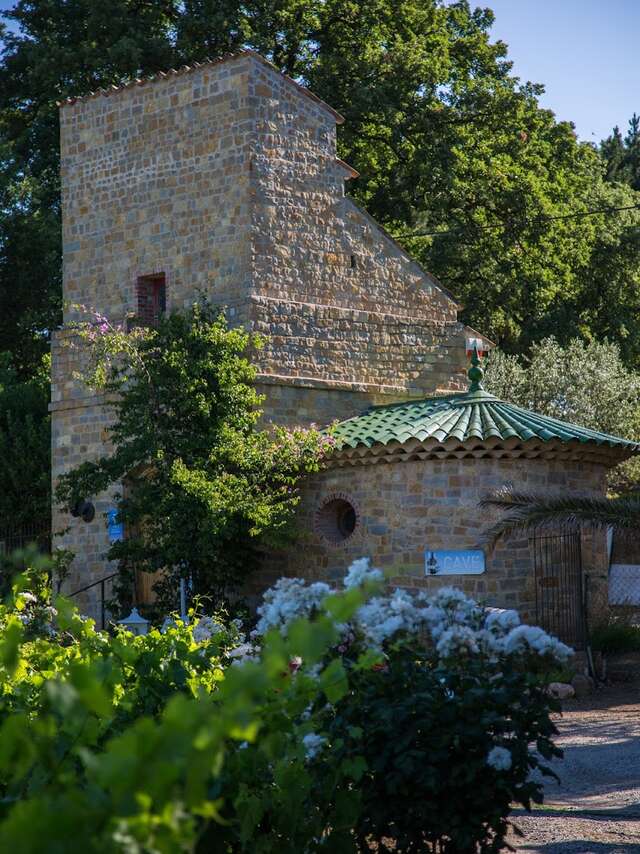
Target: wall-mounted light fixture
83,509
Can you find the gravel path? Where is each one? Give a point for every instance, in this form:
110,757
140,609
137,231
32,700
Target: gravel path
595,809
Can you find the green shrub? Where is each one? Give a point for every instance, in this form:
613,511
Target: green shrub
351,717
206,490
616,637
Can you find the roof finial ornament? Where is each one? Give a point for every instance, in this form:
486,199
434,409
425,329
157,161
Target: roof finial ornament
475,372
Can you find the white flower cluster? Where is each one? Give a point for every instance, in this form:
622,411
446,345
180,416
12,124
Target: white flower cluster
449,617
287,600
361,572
537,640
243,653
455,624
205,629
313,744
36,616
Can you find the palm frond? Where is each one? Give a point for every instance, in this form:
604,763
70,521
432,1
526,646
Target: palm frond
527,511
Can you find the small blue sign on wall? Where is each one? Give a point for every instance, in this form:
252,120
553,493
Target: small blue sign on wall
115,529
454,562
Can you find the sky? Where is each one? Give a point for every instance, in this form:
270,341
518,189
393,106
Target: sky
583,51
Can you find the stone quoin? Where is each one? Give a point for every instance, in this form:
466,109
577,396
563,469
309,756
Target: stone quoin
223,177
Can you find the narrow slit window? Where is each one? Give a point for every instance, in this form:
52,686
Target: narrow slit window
152,298
354,262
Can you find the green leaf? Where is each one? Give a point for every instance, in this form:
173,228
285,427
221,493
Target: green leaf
354,767
10,641
334,681
311,640
91,689
344,605
250,809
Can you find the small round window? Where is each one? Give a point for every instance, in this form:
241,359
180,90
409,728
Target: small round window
336,520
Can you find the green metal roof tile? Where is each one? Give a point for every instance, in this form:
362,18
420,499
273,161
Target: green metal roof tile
463,417
474,414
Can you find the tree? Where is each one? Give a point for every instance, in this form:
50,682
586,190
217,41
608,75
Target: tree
589,385
460,162
206,490
25,496
586,384
613,154
622,156
446,139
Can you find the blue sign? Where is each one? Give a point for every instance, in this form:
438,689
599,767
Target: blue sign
115,529
454,562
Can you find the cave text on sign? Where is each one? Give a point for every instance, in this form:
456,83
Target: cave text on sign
454,562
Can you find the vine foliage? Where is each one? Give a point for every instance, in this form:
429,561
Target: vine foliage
200,488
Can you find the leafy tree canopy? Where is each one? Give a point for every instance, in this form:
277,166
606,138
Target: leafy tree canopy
447,140
205,489
25,494
587,384
622,154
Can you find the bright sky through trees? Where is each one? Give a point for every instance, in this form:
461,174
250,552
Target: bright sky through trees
583,51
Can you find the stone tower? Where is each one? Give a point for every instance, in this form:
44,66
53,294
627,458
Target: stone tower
223,178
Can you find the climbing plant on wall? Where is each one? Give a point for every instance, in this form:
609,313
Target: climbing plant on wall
206,489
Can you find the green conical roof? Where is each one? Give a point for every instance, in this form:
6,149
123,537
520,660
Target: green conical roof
472,423
473,415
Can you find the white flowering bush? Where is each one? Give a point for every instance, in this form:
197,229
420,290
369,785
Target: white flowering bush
455,624
288,600
444,707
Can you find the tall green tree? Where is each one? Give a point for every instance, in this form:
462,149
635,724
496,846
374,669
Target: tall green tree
622,155
446,139
454,149
584,383
587,384
25,493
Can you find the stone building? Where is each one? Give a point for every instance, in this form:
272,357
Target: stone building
223,178
405,489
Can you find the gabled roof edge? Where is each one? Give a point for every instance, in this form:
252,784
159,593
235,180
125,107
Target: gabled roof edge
195,66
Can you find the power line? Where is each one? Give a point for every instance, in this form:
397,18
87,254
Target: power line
575,215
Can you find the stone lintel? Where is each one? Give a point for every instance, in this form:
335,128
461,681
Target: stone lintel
338,385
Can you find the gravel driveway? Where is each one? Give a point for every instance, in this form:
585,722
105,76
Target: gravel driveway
595,809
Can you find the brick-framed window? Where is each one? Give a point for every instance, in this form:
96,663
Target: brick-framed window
151,296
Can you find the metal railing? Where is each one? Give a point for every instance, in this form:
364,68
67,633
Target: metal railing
101,583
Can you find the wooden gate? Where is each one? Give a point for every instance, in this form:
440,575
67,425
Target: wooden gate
559,595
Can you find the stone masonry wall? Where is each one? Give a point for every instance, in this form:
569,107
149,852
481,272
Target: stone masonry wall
405,508
225,179
340,300
154,179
